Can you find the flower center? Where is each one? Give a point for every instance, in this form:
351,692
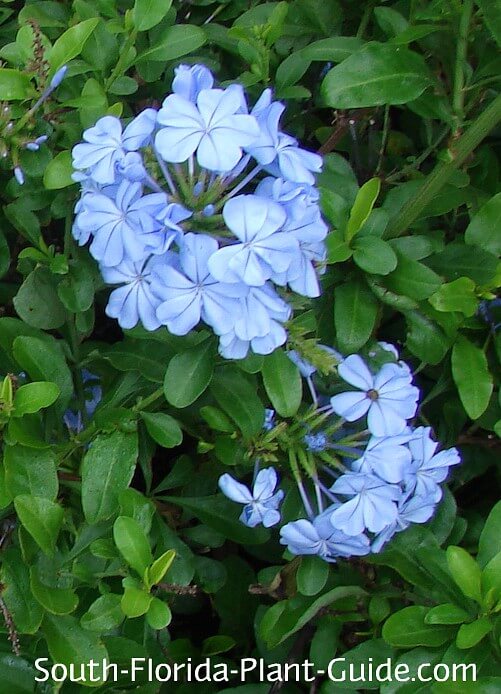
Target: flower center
372,394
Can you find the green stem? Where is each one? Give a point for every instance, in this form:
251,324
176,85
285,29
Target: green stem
463,147
121,65
419,160
146,402
364,22
77,372
459,68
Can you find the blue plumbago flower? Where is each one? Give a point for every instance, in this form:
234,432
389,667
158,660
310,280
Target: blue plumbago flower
411,509
387,457
58,77
305,368
191,293
213,128
372,503
191,171
263,248
105,145
320,538
316,442
269,419
123,226
261,505
388,398
428,469
93,394
257,324
19,175
189,81
134,301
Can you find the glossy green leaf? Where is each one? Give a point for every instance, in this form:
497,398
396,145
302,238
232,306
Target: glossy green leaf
491,581
374,255
465,571
407,628
14,85
57,175
148,13
74,646
484,228
70,44
42,518
355,313
362,207
159,615
135,602
107,470
283,383
412,279
159,567
174,42
458,295
14,574
377,74
104,614
37,302
30,471
471,376
238,398
447,613
163,428
312,575
188,374
490,538
33,397
471,634
55,600
132,543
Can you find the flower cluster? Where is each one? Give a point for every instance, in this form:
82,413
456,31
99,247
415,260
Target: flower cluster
369,472
200,211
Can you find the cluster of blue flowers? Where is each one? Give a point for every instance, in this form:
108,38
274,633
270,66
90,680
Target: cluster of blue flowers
199,211
382,474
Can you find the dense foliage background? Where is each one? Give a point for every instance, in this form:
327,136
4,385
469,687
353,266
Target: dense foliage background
125,548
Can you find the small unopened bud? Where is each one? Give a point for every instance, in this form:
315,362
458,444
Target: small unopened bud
208,210
19,175
198,189
58,77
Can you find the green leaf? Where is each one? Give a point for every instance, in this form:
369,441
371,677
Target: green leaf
447,614
215,645
355,313
490,538
104,614
30,471
377,74
471,634
238,398
374,255
149,13
54,600
471,376
483,230
337,249
163,428
57,175
188,374
222,515
465,571
132,543
425,338
107,470
283,383
174,42
14,85
334,49
407,628
43,360
362,207
491,581
37,302
461,260
135,601
71,645
26,612
70,44
412,279
76,289
456,296
312,575
159,615
491,10
373,651
159,568
42,518
33,397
